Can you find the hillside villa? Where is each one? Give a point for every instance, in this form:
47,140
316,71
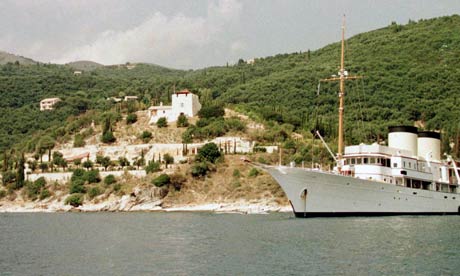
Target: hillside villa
183,102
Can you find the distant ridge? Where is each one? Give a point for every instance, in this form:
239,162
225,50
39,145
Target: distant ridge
84,65
7,57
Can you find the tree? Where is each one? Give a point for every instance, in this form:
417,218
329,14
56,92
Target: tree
108,137
20,172
153,167
186,139
59,160
209,152
105,162
88,164
123,161
161,180
46,143
168,159
43,166
77,162
162,122
182,121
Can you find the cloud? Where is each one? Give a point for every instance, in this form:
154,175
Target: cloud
177,41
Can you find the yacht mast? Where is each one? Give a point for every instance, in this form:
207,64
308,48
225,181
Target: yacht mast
343,76
341,92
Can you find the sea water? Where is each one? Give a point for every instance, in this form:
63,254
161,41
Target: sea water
226,244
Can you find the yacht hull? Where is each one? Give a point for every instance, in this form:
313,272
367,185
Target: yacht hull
321,194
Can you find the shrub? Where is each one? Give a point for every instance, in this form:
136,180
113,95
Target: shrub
35,188
77,187
146,136
93,192
2,193
259,149
109,179
78,174
108,137
93,176
162,122
211,111
203,122
44,194
152,167
209,152
131,118
117,187
235,124
253,172
236,173
262,160
8,177
161,180
199,169
182,121
74,200
177,180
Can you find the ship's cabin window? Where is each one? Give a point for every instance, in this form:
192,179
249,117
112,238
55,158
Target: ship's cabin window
358,161
372,160
404,164
365,160
410,165
395,165
353,161
388,163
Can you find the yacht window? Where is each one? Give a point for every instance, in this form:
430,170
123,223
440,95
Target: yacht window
366,160
353,161
388,163
410,165
358,161
404,164
372,160
395,165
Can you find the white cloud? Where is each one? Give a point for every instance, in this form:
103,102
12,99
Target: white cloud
177,41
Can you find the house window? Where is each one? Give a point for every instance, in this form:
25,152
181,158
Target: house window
395,165
404,164
410,165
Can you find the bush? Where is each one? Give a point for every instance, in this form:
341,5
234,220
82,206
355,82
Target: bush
44,194
211,111
8,177
259,149
35,188
108,137
177,180
2,193
93,192
109,179
235,124
182,121
74,200
199,169
78,174
93,176
162,122
131,118
152,167
146,136
117,187
161,180
262,160
236,173
77,187
209,152
253,172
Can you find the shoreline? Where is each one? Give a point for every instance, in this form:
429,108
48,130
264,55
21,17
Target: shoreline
124,204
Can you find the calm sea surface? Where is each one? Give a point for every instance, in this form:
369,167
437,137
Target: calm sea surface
226,244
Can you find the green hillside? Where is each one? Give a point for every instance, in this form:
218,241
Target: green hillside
410,74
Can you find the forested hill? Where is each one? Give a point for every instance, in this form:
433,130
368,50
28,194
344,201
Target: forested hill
411,74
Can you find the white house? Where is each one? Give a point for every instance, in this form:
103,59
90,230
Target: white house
47,104
183,102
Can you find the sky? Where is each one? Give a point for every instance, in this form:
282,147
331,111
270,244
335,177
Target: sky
187,34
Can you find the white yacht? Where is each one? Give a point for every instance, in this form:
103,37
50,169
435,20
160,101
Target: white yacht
407,177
